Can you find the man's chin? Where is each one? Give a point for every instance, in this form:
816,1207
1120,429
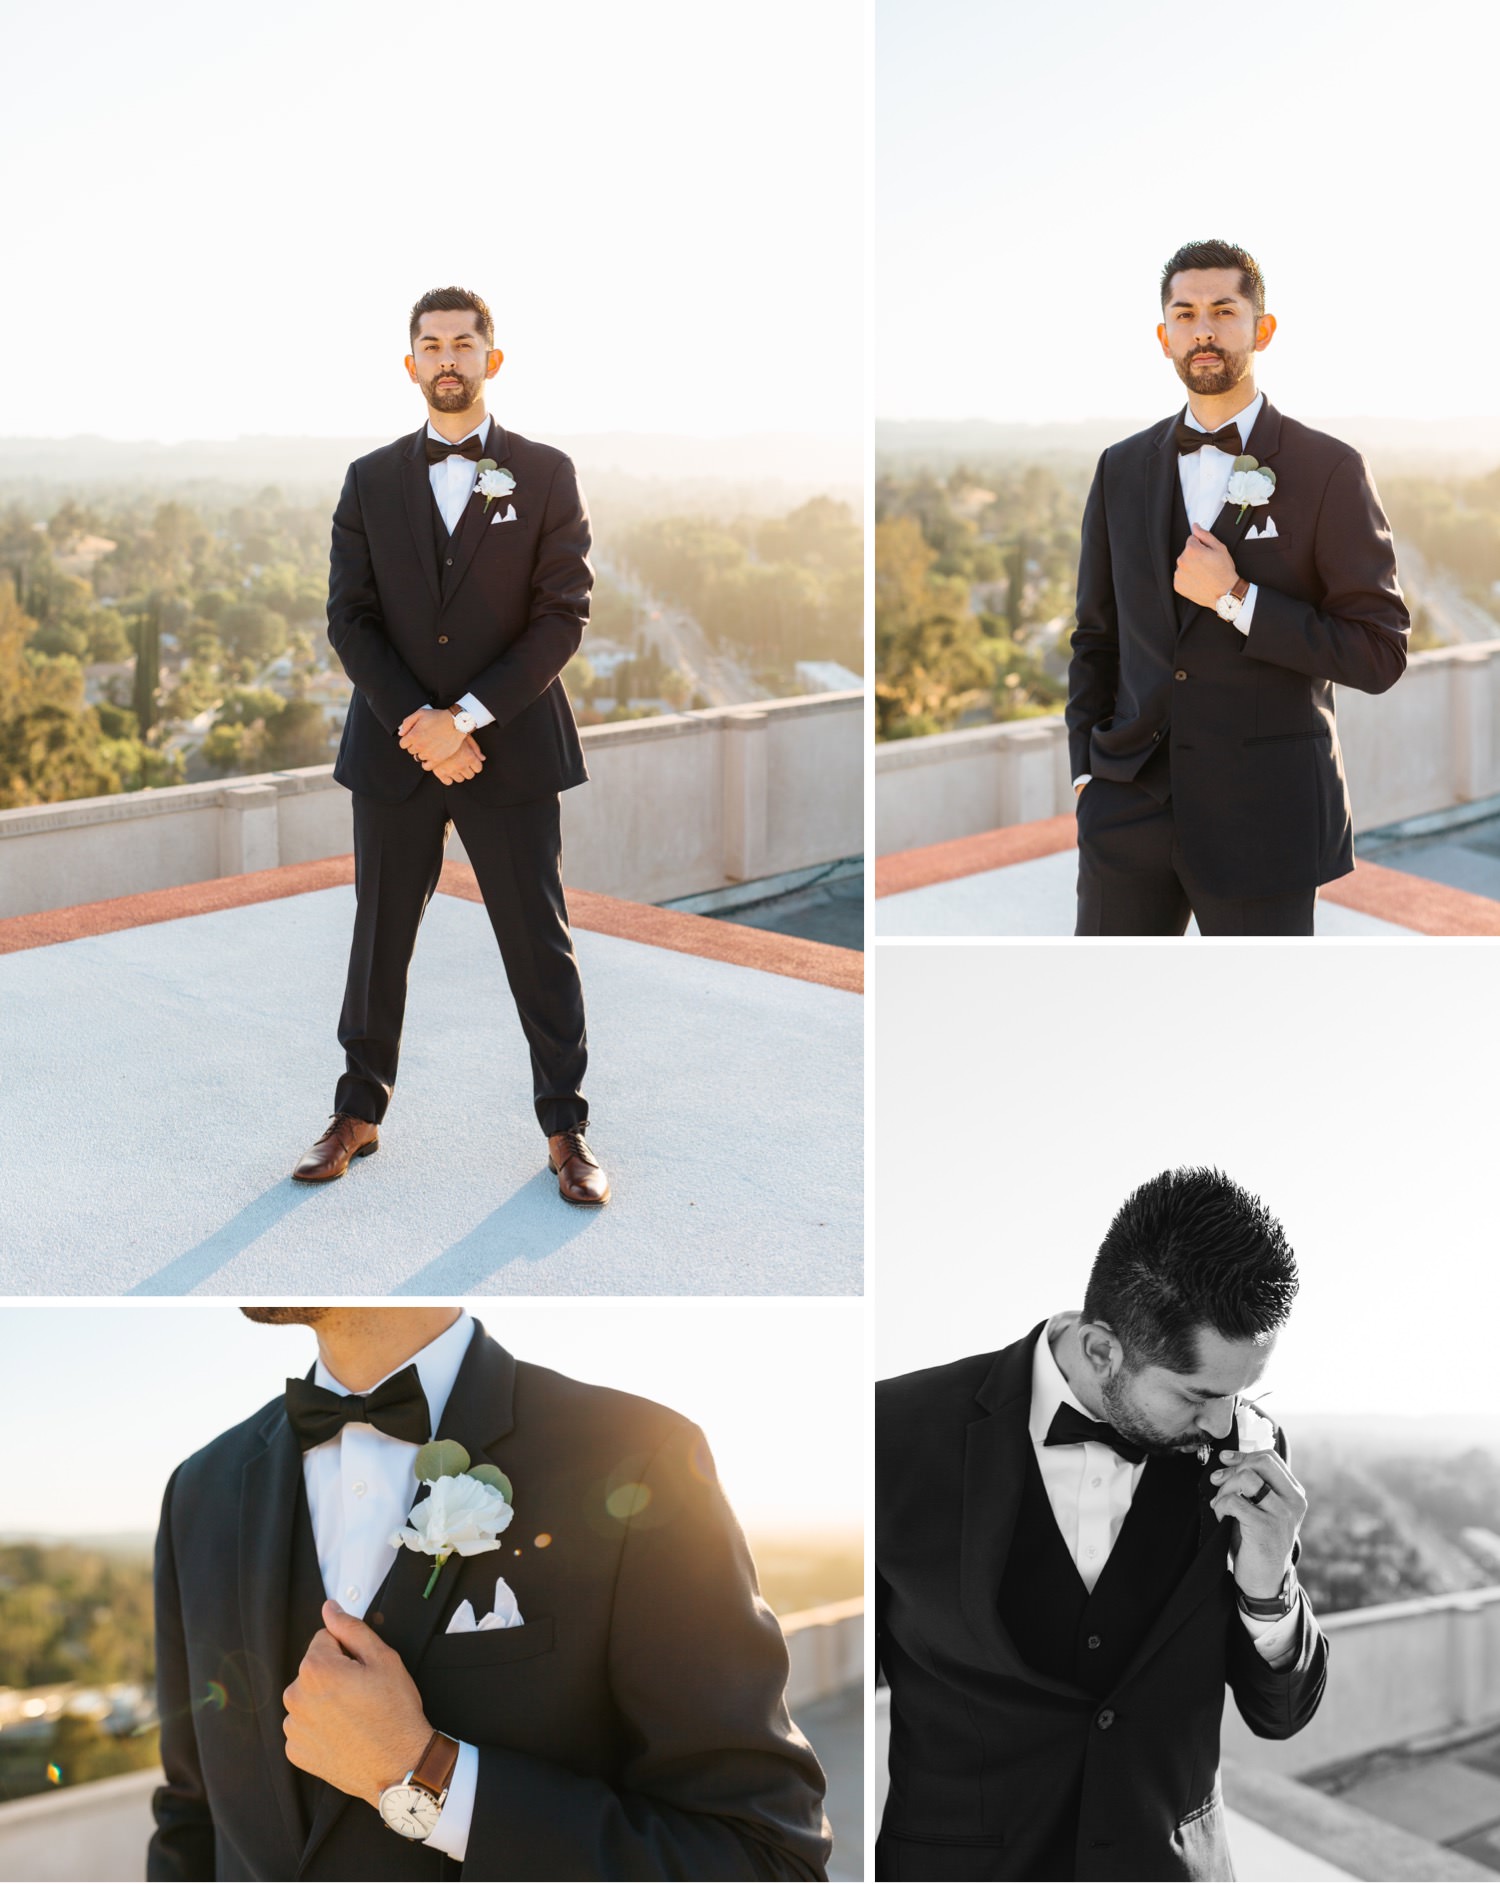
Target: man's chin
284,1317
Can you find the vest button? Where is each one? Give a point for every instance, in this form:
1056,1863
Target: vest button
1156,736
1181,674
442,641
1107,1717
450,562
1093,1641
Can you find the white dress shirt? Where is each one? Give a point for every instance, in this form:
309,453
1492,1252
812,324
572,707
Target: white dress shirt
1089,1488
452,480
360,1488
1204,477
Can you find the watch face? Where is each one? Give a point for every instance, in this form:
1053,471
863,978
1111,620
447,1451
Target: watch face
410,1810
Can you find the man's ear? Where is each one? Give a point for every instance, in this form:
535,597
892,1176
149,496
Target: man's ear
1161,334
1101,1349
1264,328
411,369
492,362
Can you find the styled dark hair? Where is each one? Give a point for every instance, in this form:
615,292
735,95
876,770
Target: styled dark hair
452,301
1219,255
1186,1250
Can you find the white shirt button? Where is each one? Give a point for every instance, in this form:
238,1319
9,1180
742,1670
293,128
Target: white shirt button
351,1595
1096,1481
1091,1552
359,1488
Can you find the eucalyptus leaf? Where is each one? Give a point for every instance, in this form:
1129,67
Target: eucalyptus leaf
441,1458
1267,473
1245,463
492,1476
485,464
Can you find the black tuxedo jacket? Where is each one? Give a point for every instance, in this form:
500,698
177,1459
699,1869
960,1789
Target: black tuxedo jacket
632,1727
498,612
1257,780
983,1747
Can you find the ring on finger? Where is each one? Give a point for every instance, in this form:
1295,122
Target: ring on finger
1263,1494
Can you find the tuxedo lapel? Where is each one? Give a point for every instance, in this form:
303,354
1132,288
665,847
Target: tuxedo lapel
416,495
270,1487
995,1459
479,1414
1233,519
1208,1569
477,517
1161,483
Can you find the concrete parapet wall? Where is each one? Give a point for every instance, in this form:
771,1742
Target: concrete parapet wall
1397,1672
827,1650
1430,744
677,805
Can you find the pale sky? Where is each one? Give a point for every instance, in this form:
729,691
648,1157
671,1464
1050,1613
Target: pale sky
1344,1084
221,216
117,1396
1036,166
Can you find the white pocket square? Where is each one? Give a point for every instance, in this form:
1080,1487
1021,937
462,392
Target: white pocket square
505,1614
1262,531
508,515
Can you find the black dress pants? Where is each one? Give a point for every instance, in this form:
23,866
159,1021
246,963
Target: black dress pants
1134,880
516,851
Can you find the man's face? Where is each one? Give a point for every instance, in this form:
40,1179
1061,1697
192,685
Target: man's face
450,362
1210,331
1167,1412
286,1317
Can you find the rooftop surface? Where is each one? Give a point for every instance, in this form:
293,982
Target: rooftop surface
1449,1794
1020,881
169,1056
1462,851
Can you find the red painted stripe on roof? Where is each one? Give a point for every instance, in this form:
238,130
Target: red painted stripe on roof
1414,902
967,856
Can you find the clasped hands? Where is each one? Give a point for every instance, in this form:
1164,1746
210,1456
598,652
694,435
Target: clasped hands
353,1714
1266,1526
1205,569
434,741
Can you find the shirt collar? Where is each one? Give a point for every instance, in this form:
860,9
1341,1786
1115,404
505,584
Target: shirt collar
1049,1387
437,1367
479,431
1244,420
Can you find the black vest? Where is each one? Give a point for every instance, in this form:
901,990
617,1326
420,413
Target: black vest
1065,1631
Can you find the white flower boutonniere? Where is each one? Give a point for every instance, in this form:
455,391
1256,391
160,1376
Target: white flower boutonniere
493,481
1250,484
465,1511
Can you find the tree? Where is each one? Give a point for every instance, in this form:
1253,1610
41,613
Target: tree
931,659
47,754
147,667
252,634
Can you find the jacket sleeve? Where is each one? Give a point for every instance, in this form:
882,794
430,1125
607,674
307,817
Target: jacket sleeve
1358,637
355,625
561,579
182,1845
1094,671
715,1781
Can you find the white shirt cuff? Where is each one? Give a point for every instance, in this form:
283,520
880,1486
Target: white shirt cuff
1274,1637
1082,779
1247,609
484,717
451,1833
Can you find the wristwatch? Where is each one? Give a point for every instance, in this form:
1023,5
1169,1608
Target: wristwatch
464,721
1271,1608
412,1807
1228,604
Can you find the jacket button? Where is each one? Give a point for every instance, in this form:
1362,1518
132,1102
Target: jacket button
1156,736
1181,674
1093,1641
450,562
442,641
1107,1717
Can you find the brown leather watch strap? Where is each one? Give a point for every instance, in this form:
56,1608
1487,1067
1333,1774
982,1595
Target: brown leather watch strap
1241,587
434,1771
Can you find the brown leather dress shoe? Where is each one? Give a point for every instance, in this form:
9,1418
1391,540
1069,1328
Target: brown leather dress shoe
347,1137
580,1177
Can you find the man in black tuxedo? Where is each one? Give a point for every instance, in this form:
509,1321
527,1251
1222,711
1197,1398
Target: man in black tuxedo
1067,1577
458,591
325,1716
1216,610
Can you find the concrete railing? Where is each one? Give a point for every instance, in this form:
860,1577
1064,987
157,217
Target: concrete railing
1430,744
1396,1672
99,1830
678,805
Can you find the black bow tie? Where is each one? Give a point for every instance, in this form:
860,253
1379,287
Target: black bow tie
397,1406
1071,1428
1227,438
438,449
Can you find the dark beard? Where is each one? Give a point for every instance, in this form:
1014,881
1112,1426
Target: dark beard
452,398
285,1317
1231,370
1129,1424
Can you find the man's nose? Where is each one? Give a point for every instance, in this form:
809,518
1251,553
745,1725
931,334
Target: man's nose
1217,1419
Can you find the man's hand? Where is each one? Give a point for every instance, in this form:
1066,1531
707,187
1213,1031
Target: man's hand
464,764
1205,569
1265,1531
353,1715
430,736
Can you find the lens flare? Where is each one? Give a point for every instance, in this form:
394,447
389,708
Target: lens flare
54,1775
216,1696
627,1501
542,1539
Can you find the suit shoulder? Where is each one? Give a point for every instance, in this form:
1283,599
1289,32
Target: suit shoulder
931,1389
229,1451
1136,446
383,457
545,457
1308,441
581,1412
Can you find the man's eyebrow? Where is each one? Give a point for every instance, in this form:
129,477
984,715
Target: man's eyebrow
1219,300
